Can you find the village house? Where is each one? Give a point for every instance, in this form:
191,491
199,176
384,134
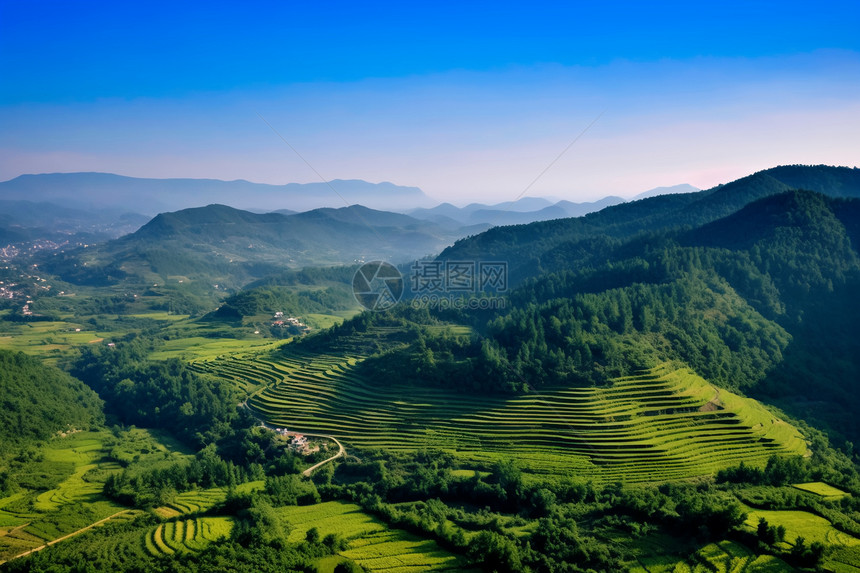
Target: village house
299,443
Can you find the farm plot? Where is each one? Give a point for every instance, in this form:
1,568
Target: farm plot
803,524
661,425
821,488
31,518
191,534
38,515
655,555
343,519
400,552
201,500
371,543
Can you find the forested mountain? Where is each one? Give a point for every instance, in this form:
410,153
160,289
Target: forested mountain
744,300
539,247
229,246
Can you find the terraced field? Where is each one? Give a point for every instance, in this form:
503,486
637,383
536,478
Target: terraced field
722,557
32,518
201,500
661,425
371,543
801,524
186,534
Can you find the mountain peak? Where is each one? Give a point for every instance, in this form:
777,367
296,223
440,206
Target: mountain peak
680,188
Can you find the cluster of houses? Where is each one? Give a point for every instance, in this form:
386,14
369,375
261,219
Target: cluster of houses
294,324
297,442
6,290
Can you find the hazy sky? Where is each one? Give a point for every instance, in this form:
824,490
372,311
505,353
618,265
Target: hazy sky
469,101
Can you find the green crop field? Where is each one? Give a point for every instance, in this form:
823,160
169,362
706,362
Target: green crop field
201,500
803,524
844,554
31,518
72,500
49,338
663,554
202,348
371,543
820,488
661,425
190,534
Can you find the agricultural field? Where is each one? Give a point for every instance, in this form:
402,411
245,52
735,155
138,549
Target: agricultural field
49,339
821,488
371,543
189,534
201,500
322,321
664,554
203,348
192,341
844,552
802,524
61,492
661,425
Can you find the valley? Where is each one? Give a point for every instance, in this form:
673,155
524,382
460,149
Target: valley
667,387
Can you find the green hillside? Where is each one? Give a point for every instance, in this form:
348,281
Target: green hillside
760,300
38,401
529,249
602,417
662,424
231,247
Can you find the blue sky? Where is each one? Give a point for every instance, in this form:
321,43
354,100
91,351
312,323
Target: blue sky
469,101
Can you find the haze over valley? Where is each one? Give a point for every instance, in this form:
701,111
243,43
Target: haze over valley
544,288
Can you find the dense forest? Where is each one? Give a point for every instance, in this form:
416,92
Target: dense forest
38,401
157,394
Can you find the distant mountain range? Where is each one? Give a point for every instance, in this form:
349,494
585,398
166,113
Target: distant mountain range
230,246
525,210
113,195
151,196
43,219
682,188
553,245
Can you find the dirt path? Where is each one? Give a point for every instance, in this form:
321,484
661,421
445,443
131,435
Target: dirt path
72,534
341,452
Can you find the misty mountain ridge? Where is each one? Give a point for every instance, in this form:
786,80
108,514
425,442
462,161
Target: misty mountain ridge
230,246
520,212
681,188
548,245
111,193
26,222
107,190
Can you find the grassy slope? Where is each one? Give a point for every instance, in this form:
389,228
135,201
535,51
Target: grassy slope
665,424
372,544
31,517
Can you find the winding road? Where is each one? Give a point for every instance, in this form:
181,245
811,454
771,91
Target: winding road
340,452
64,537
